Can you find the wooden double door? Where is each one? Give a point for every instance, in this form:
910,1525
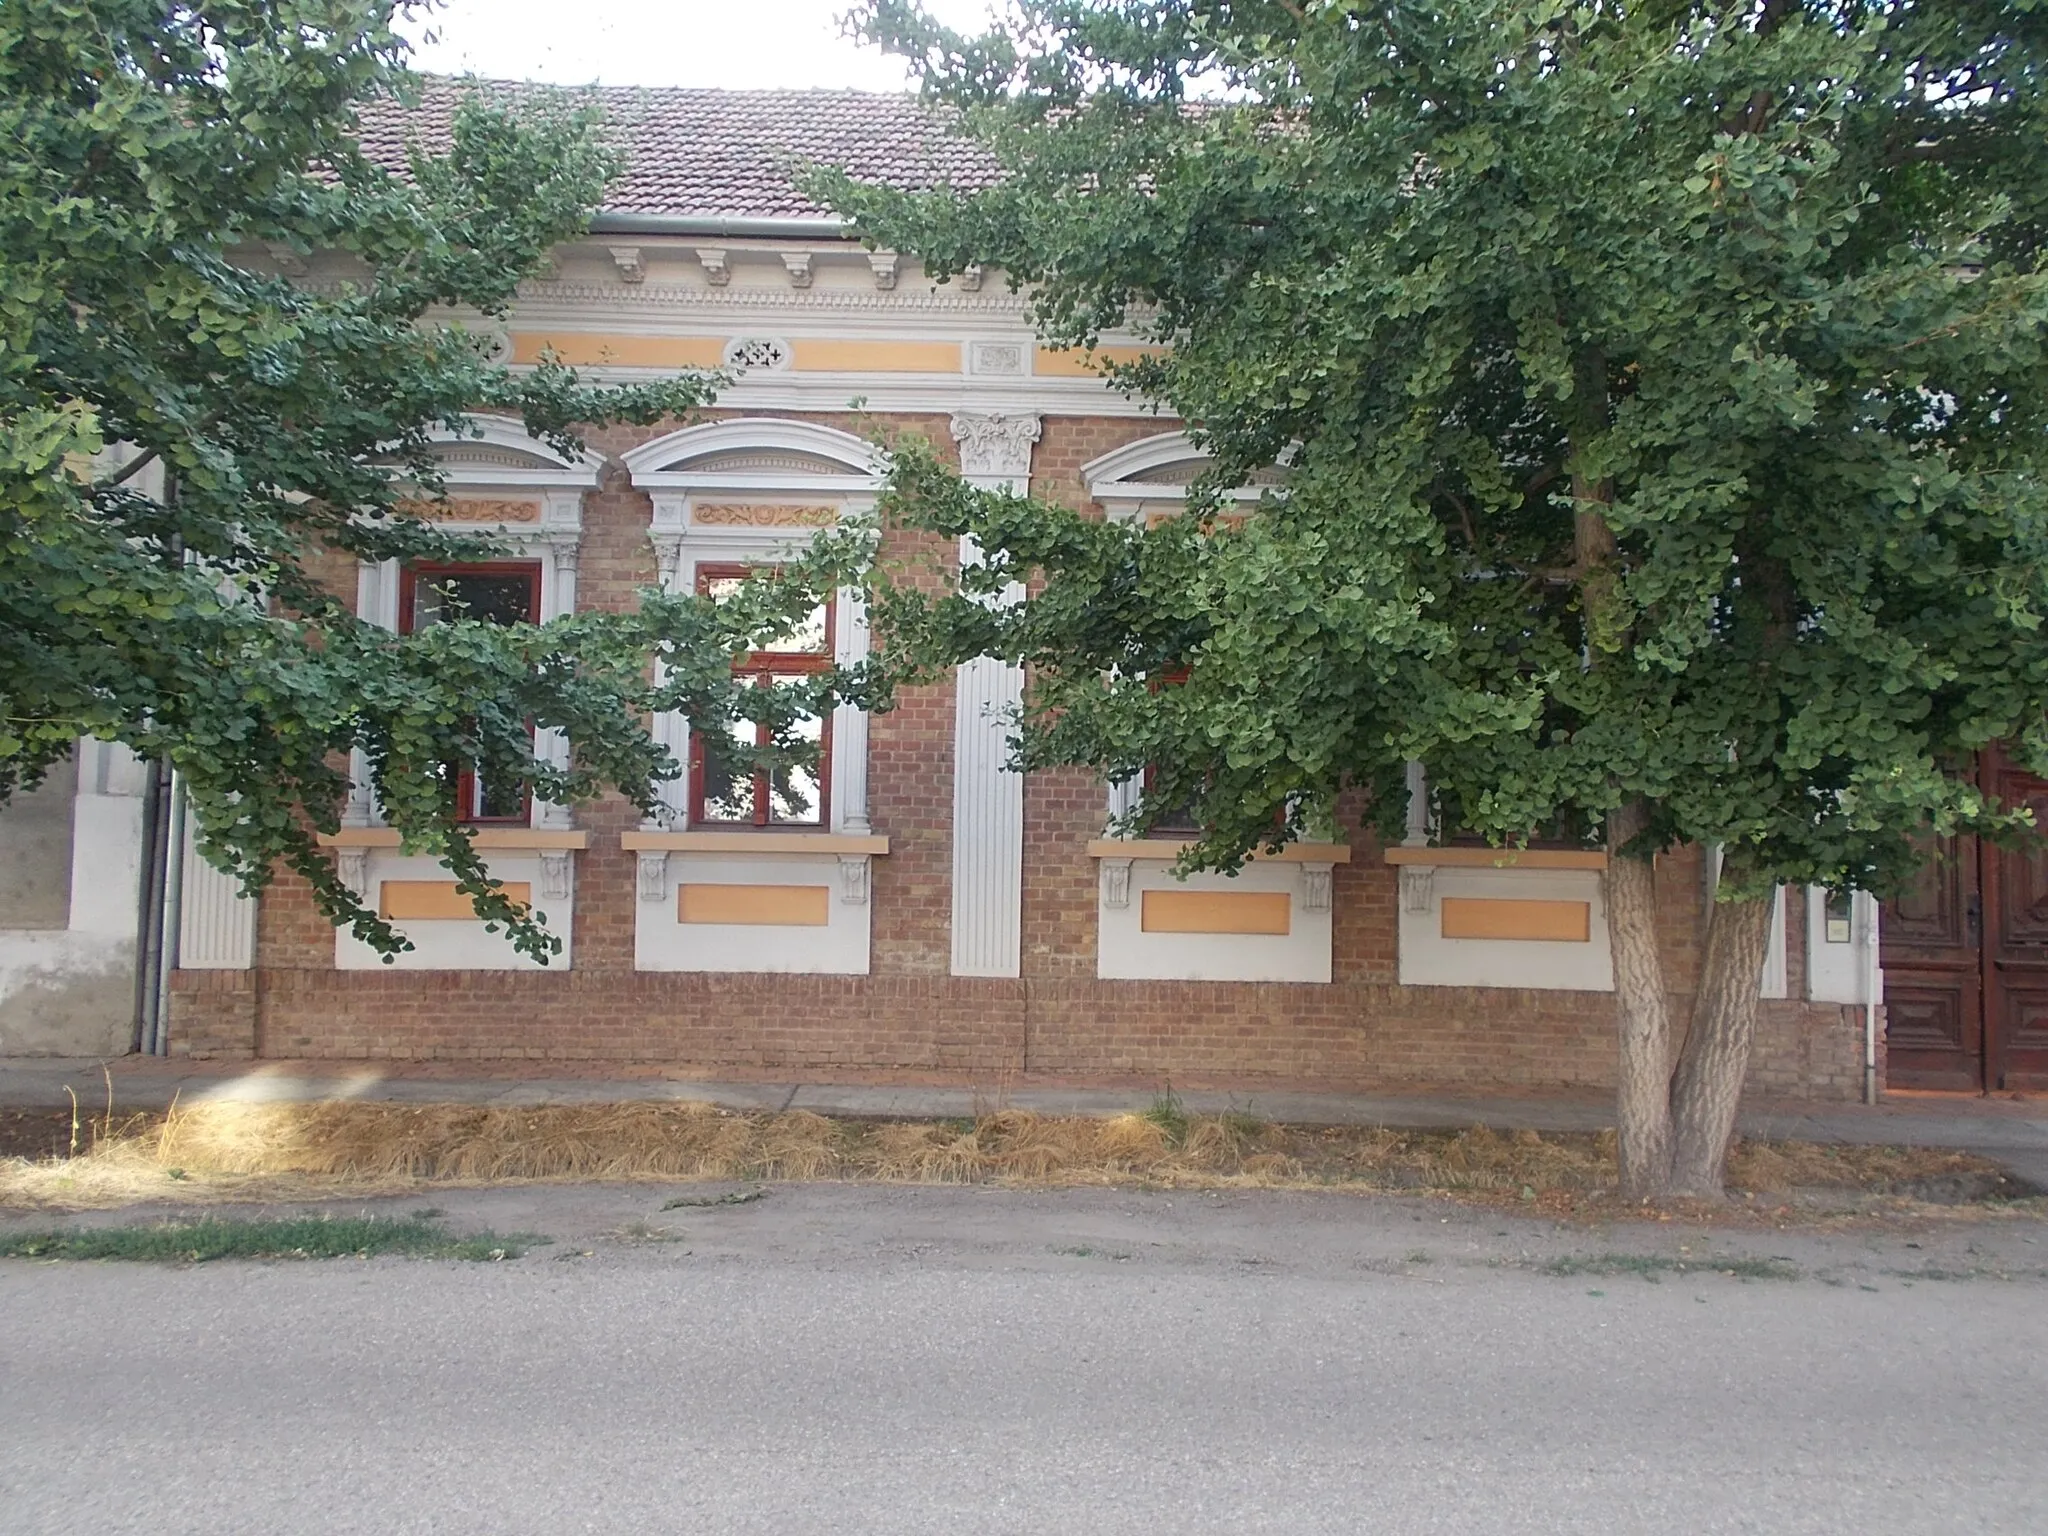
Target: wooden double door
1965,956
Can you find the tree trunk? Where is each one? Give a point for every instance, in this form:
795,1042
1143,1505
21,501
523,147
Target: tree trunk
1642,1012
1707,1086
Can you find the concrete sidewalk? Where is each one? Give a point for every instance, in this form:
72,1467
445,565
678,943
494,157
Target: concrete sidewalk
2015,1132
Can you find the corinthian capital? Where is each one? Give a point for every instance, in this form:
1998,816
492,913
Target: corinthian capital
995,446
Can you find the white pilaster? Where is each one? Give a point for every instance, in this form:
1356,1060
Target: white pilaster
850,727
216,922
988,799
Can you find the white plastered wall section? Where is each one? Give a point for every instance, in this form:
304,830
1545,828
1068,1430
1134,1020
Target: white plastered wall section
1140,483
528,498
705,482
1126,952
1842,948
1429,959
69,991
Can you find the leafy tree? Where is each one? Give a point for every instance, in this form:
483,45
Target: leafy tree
1660,387
149,148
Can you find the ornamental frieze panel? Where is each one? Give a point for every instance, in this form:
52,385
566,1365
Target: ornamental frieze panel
734,514
472,509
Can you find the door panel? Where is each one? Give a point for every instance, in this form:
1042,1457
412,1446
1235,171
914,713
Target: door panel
1933,974
2016,934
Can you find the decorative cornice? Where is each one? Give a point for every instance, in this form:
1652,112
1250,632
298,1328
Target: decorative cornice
683,296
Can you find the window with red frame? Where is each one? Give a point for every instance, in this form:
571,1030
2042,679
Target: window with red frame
724,788
495,592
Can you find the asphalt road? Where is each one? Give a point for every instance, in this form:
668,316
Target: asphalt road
859,1360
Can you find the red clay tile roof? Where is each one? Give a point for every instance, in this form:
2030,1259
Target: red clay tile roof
724,154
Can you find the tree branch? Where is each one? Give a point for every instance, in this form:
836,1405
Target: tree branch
126,474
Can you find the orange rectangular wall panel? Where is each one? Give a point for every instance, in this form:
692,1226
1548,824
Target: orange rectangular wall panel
1077,363
823,355
773,906
594,349
421,901
1554,922
1268,912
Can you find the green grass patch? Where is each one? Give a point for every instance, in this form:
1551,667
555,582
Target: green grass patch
1651,1266
269,1237
737,1197
1171,1116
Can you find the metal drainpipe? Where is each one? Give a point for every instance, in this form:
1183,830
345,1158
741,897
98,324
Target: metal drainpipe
148,911
1873,973
174,908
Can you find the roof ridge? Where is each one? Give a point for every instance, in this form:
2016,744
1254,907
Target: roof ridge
495,82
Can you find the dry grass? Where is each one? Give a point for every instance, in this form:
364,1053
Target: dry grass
242,1151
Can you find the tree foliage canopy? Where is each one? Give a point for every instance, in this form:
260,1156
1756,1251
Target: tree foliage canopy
151,153
1660,386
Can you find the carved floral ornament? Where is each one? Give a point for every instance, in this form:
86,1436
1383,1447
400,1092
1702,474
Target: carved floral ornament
732,514
995,445
471,509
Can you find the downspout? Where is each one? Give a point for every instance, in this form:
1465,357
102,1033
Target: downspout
174,912
148,913
149,938
1873,982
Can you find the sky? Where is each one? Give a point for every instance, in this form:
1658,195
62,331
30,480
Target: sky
736,43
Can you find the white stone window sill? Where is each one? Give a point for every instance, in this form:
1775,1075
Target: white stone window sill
853,852
504,838
814,843
1497,858
1167,849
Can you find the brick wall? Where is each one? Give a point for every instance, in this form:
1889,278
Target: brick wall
910,1016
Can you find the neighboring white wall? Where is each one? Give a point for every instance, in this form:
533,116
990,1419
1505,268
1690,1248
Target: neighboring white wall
840,948
1124,951
460,944
1428,959
988,799
1842,970
1775,980
70,991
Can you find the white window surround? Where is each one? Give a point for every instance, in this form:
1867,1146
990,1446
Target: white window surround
1134,483
496,461
773,465
493,461
1152,476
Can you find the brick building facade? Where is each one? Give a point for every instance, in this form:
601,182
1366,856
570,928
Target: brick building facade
946,920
